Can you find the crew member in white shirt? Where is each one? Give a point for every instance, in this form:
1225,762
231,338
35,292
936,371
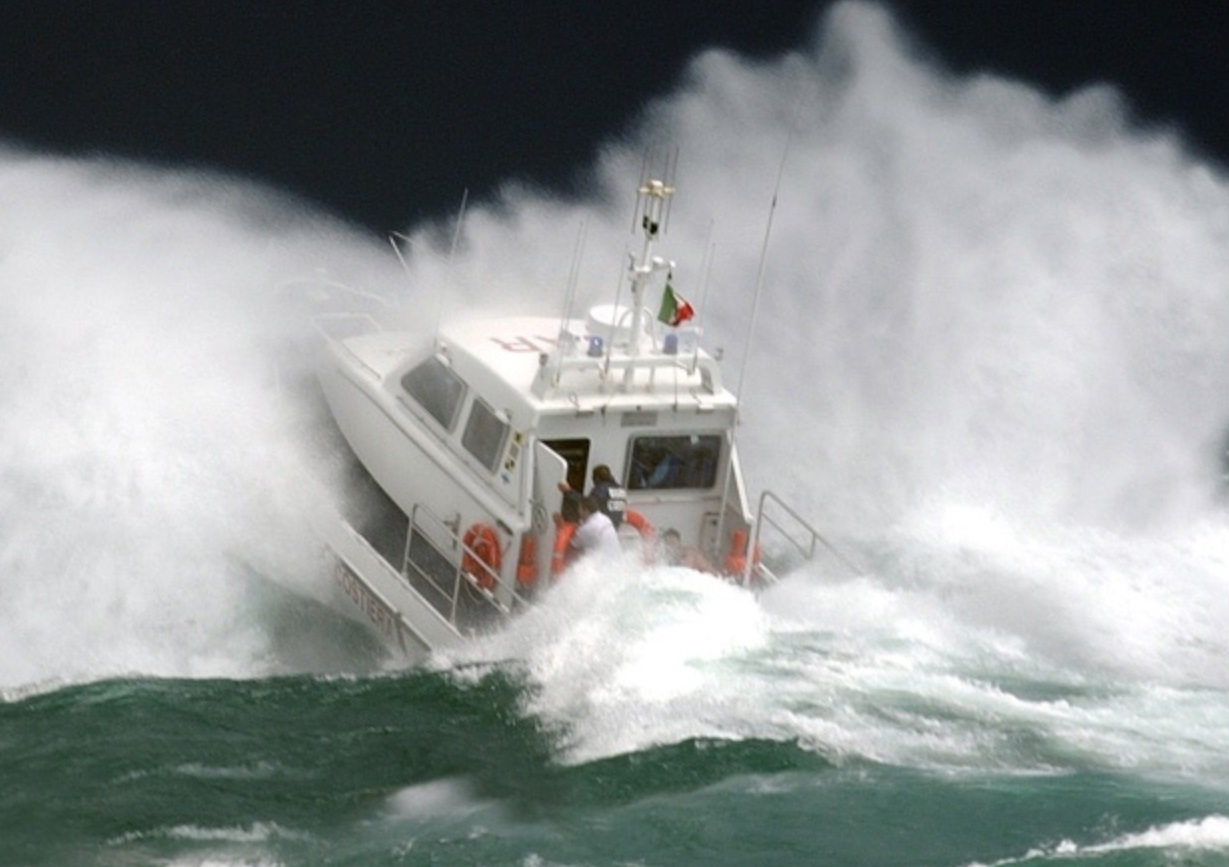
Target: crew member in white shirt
596,533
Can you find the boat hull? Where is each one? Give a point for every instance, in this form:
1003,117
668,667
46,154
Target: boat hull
368,589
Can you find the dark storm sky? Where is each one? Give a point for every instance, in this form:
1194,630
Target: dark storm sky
384,112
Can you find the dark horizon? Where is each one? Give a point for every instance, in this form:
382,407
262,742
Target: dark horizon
383,112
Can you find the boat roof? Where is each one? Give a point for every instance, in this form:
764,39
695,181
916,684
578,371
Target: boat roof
577,365
616,358
535,366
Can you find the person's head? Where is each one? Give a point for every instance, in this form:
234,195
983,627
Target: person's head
602,473
588,505
673,543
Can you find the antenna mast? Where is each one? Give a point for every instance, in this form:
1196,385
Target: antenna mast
653,203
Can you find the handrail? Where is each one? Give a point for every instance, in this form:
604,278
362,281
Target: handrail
325,283
321,321
451,596
549,379
807,550
407,564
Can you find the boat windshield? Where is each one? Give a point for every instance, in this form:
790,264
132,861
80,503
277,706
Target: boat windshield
665,462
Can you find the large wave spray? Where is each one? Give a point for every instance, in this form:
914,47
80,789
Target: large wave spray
976,289
991,362
149,448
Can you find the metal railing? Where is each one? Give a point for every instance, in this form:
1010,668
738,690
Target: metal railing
457,580
801,535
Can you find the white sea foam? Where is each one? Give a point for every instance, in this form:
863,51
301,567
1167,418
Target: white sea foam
453,800
621,659
256,832
1209,834
223,861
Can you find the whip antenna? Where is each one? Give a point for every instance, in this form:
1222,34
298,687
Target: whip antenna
452,252
569,298
742,369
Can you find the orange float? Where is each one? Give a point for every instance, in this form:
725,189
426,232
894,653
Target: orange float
480,557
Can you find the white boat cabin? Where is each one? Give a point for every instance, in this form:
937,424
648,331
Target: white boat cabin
470,431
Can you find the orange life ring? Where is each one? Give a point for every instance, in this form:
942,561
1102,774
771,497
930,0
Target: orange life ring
563,540
641,523
648,536
480,555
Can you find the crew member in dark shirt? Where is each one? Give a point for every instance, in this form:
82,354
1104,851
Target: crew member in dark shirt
611,497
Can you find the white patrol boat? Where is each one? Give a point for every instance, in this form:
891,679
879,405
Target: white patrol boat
469,433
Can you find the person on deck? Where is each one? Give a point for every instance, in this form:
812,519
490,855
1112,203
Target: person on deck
611,497
678,554
596,533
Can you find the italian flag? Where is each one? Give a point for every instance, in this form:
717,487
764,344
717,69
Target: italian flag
674,308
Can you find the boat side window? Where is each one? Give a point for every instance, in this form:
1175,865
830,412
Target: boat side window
666,462
437,389
485,433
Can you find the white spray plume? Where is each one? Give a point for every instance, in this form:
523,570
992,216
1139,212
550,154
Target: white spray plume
151,442
971,287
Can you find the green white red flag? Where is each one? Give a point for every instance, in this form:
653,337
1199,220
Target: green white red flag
674,308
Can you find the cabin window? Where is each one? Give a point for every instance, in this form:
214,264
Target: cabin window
668,462
484,435
437,389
